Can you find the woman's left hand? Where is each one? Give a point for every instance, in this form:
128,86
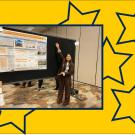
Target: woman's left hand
62,73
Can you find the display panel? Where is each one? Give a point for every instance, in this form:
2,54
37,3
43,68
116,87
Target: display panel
52,63
20,51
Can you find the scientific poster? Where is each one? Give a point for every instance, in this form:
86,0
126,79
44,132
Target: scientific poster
22,53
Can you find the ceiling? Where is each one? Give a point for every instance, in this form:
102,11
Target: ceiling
37,29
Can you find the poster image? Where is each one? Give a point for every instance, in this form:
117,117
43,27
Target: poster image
42,55
42,48
42,64
18,43
30,44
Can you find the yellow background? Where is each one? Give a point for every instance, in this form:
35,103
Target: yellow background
80,121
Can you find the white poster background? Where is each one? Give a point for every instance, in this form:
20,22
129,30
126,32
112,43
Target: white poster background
18,54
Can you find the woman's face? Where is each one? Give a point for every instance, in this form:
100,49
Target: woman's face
68,57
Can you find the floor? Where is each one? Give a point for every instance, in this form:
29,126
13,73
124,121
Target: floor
30,97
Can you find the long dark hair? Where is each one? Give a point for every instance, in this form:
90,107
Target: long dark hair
70,62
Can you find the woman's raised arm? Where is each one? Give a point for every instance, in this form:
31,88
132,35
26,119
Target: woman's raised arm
59,51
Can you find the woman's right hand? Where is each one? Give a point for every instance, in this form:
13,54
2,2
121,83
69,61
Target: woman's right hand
58,47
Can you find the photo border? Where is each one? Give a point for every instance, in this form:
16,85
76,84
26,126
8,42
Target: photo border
102,61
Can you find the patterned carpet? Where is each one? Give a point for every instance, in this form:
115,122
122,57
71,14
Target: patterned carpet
30,97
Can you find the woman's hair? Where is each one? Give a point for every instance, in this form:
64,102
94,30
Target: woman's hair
58,42
71,62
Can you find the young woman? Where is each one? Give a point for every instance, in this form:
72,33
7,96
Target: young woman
65,72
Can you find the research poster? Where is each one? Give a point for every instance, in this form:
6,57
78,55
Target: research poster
22,53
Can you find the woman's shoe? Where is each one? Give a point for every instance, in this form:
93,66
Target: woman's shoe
59,101
65,103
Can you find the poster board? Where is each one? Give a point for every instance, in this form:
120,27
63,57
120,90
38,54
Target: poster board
47,59
22,51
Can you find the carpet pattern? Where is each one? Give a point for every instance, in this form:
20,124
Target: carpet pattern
30,97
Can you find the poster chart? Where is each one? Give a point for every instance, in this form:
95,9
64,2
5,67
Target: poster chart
19,53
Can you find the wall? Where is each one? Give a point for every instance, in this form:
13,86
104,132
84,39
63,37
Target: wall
88,53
